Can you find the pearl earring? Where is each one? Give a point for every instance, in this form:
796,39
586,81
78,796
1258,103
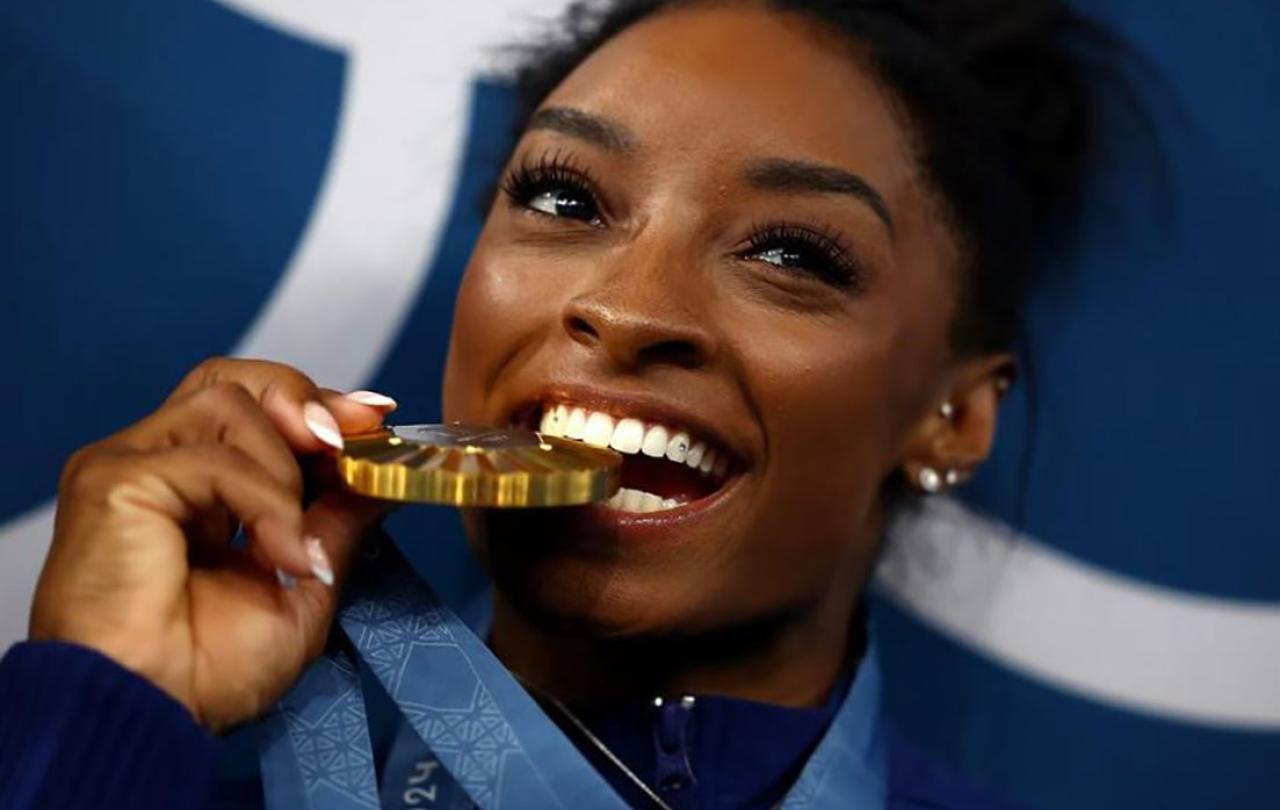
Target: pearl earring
929,479
947,410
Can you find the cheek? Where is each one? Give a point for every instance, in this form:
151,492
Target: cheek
830,392
502,307
830,396
839,401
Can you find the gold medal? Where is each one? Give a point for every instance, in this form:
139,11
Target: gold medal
462,465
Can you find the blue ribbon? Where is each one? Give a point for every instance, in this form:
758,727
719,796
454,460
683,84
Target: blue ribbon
499,748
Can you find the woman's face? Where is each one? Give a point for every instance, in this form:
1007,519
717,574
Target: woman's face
715,225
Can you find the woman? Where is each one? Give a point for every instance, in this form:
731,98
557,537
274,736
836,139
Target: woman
774,253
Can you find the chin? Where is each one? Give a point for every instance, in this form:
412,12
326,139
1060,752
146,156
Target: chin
570,580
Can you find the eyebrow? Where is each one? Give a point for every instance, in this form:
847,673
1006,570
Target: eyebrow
603,132
773,174
780,174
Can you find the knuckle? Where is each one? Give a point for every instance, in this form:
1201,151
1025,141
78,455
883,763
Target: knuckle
72,481
226,457
259,378
286,378
208,370
202,374
75,465
223,398
281,373
211,413
90,473
234,462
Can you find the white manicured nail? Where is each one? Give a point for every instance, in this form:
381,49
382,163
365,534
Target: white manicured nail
321,423
373,399
320,565
286,580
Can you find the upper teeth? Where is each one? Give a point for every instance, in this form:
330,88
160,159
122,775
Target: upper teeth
630,436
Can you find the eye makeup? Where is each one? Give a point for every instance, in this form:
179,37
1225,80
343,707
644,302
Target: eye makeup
817,251
554,185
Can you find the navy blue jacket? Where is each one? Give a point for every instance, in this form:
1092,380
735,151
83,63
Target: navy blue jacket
78,730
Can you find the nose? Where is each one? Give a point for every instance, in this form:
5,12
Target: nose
637,321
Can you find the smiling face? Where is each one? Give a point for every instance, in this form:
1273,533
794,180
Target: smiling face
715,227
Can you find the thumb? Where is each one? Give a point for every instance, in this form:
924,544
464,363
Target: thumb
334,526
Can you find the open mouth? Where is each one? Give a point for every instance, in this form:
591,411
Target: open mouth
665,466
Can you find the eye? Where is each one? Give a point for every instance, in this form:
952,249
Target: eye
799,249
553,186
564,202
786,257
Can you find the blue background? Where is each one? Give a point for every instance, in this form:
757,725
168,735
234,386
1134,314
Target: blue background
159,159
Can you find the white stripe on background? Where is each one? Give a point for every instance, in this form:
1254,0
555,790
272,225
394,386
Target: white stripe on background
1084,629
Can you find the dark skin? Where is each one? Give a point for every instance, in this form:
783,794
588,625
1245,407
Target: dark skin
728,232
630,275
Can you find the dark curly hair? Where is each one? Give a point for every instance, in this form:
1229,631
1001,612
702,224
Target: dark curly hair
994,91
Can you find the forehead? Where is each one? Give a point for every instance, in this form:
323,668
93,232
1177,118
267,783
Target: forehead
736,80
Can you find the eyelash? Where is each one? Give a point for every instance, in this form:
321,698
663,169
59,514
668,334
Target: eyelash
550,172
832,263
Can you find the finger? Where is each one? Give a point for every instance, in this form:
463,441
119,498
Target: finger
221,413
357,411
183,483
334,526
290,399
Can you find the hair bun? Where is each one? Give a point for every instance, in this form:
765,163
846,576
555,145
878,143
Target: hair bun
1028,82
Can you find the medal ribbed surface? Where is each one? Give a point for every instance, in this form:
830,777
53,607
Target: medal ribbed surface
460,465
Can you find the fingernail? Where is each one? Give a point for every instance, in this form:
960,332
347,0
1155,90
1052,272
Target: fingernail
320,565
373,399
286,581
322,424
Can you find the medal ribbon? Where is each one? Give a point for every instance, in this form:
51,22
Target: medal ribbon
492,738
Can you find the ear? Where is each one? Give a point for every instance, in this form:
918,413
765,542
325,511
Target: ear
954,434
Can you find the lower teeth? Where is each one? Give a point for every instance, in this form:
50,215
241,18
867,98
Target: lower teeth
637,500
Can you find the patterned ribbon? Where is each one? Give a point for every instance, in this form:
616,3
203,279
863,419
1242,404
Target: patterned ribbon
499,749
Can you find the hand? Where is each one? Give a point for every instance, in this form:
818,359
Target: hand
141,567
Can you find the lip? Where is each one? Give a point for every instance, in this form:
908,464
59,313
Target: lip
626,404
651,528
